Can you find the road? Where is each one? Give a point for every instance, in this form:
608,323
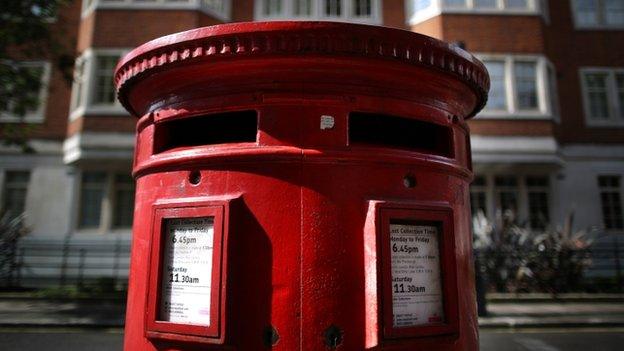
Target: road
533,340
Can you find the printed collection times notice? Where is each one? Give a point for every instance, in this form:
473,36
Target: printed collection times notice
187,271
416,285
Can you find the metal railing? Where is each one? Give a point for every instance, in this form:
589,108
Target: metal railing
45,263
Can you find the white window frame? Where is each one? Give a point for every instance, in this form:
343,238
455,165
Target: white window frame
545,98
346,13
438,7
600,25
88,6
613,101
492,194
38,115
87,89
107,215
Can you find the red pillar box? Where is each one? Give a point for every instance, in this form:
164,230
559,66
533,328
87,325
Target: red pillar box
301,186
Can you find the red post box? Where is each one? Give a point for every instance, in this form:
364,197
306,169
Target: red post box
301,186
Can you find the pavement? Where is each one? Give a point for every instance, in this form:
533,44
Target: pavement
554,314
504,312
38,312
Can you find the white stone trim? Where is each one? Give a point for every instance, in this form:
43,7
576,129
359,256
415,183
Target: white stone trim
317,14
438,7
509,150
98,146
89,6
593,152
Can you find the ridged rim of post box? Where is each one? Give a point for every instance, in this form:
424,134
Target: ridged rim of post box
260,39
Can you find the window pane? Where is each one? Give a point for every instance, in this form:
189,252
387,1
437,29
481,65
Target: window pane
104,90
332,7
597,97
537,181
611,202
507,193
78,83
586,12
614,12
508,201
362,8
303,7
526,86
539,215
272,7
516,4
479,181
33,97
477,202
124,201
216,5
498,97
485,3
619,78
509,181
554,93
455,3
91,195
538,210
609,181
418,5
15,189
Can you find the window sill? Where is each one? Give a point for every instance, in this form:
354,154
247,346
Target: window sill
364,20
604,124
515,116
147,6
102,232
599,27
25,119
115,110
429,13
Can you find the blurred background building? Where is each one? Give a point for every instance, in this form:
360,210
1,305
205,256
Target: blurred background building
549,142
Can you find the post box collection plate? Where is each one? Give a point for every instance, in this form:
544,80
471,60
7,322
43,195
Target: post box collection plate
417,255
186,270
416,285
184,299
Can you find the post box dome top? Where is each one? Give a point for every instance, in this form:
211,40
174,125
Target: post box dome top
299,39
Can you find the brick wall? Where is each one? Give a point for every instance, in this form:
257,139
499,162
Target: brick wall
570,49
495,34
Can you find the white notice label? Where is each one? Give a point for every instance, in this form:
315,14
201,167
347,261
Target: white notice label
187,271
416,285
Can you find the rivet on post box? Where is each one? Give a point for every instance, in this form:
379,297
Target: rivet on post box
301,186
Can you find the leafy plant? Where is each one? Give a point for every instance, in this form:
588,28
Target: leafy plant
518,259
12,228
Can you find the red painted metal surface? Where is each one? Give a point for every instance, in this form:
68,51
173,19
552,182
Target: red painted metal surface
308,135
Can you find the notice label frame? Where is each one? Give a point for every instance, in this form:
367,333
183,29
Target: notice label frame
159,329
428,215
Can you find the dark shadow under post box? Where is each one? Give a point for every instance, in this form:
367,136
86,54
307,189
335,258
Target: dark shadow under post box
301,186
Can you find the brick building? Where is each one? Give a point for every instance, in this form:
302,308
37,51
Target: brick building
550,141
